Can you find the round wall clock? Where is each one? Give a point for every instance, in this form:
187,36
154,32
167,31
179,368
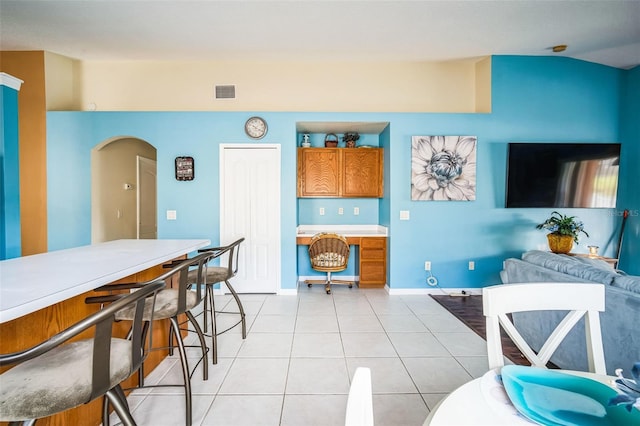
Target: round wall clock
256,127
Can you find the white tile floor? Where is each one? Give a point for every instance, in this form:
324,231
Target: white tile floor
301,351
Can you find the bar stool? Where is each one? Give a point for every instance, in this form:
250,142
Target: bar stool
53,377
172,302
219,274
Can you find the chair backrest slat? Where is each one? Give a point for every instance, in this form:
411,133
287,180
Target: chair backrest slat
577,298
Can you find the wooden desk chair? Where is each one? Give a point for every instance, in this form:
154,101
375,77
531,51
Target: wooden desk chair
329,253
581,299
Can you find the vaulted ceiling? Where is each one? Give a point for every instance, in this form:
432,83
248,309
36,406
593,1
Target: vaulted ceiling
606,32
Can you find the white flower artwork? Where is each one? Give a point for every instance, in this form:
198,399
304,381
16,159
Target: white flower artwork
443,168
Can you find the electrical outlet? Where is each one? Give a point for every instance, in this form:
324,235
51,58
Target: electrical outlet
356,211
340,210
321,211
172,215
472,265
427,265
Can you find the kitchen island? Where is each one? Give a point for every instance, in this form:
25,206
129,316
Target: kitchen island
43,294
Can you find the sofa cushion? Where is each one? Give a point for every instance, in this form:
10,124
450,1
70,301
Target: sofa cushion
627,282
583,268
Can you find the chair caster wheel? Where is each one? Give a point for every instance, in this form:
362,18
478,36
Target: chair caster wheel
309,285
328,291
350,285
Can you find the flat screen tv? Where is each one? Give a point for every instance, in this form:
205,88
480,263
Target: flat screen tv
581,175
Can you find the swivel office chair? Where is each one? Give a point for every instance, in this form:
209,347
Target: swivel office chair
329,253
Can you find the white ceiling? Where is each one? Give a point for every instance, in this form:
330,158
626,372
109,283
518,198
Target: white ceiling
605,31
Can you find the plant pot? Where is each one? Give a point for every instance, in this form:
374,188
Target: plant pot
560,244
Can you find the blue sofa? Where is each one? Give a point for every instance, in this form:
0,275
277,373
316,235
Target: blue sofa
620,322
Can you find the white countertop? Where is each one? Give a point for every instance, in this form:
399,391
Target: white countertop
345,230
34,282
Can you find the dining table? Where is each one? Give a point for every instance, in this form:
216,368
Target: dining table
485,402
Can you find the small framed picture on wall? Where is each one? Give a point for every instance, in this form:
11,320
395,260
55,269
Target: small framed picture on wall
184,168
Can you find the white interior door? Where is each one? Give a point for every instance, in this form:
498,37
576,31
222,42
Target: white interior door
250,208
147,204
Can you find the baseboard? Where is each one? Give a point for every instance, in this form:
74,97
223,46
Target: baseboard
391,291
426,291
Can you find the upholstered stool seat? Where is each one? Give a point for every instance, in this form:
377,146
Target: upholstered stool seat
166,305
58,380
214,274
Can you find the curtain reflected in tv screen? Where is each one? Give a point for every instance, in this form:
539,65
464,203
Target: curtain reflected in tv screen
583,175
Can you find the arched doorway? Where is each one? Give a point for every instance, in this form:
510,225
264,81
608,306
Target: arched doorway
123,189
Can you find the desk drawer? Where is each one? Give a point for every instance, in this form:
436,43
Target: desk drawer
373,249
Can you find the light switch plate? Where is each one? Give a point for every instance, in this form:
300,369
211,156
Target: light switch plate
405,215
172,215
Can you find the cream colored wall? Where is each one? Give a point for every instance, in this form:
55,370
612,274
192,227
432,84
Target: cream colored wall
114,209
483,85
284,86
62,83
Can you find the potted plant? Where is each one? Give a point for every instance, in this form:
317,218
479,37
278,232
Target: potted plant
563,231
350,139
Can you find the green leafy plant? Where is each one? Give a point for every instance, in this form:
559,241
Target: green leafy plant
350,137
560,224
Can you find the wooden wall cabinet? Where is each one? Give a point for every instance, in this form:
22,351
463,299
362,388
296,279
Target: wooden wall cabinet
362,171
319,172
340,172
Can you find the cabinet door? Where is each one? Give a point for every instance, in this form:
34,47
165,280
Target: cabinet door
319,172
362,172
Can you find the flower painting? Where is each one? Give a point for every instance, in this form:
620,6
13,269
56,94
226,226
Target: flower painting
443,168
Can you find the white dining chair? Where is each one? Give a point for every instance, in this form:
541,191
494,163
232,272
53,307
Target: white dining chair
360,401
580,299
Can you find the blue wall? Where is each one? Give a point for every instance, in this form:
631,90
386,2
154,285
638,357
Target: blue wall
630,158
10,233
534,99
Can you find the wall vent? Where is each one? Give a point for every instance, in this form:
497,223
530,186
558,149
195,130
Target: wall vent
226,91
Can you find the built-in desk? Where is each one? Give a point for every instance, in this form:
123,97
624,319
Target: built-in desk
371,241
43,294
